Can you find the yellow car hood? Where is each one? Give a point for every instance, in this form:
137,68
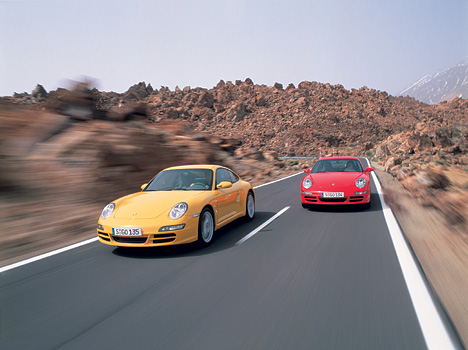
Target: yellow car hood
151,204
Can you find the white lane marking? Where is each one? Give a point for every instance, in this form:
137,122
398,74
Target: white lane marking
259,228
61,250
434,331
272,182
46,255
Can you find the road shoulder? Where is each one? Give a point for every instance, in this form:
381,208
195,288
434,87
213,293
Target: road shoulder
441,249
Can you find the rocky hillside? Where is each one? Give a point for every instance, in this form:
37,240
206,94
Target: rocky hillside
292,121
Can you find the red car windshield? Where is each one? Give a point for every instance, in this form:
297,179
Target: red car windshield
337,166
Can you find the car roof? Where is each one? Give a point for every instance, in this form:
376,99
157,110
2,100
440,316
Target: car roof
338,157
195,166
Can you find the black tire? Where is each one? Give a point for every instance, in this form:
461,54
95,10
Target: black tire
366,205
249,207
206,227
305,205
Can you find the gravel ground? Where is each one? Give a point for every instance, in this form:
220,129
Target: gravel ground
441,249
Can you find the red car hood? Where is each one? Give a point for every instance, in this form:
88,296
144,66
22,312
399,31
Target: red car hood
335,179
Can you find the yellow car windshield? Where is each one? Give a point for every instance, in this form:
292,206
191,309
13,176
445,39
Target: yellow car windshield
182,180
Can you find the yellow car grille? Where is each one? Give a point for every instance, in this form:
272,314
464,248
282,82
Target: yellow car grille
140,240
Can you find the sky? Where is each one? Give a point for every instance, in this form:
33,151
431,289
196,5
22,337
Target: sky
384,45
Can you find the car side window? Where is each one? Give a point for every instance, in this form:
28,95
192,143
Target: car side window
234,178
218,177
222,175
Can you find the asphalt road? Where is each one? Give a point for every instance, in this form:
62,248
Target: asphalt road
311,279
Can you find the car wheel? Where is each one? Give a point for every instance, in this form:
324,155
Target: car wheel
367,205
250,207
305,205
206,227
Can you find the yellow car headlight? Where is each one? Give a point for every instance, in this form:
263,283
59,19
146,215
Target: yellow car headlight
178,210
107,211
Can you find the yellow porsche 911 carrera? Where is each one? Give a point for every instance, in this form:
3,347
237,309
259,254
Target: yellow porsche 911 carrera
179,205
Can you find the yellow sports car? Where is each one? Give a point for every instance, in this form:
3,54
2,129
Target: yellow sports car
181,204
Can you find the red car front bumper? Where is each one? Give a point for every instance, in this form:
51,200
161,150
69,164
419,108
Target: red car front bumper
315,197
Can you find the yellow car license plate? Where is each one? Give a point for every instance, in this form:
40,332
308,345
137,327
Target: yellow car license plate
126,231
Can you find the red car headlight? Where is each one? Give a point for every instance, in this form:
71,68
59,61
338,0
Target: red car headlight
361,182
307,182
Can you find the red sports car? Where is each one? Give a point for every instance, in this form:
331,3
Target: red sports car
336,180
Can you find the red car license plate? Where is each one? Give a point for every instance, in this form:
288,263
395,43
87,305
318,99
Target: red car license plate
332,194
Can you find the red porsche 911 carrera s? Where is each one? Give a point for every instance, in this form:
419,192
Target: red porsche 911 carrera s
336,180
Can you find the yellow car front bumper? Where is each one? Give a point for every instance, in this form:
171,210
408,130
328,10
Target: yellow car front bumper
151,236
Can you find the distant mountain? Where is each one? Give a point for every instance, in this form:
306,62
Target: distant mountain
444,85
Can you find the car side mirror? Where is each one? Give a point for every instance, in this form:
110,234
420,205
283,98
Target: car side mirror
368,170
307,170
143,186
224,184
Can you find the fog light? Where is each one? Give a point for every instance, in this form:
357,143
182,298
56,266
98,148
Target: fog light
100,227
172,228
308,193
360,192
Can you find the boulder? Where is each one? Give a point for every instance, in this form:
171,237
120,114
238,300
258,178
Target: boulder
39,92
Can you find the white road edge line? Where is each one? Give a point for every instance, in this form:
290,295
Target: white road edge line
262,226
46,255
91,240
434,331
